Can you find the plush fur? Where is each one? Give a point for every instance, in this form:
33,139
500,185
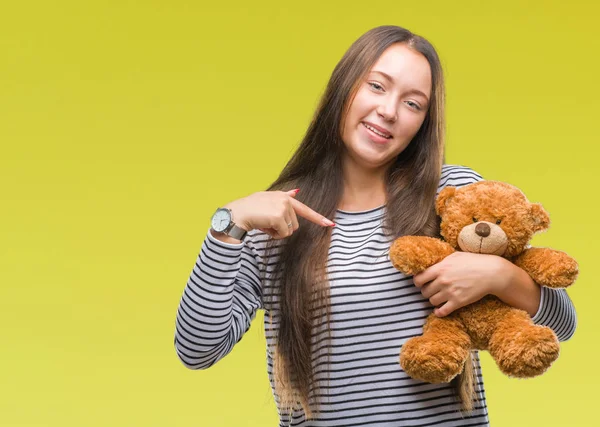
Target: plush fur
488,217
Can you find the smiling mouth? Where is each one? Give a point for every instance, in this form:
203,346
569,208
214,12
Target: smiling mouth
375,131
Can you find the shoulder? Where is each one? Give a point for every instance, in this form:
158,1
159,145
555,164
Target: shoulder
457,176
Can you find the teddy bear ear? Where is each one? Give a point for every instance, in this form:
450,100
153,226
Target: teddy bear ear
443,198
541,218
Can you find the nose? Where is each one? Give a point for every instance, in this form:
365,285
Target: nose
387,109
482,229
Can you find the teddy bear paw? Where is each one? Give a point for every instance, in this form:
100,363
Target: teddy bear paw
413,254
527,353
431,360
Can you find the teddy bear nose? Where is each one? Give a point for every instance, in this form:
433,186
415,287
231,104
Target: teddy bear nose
482,229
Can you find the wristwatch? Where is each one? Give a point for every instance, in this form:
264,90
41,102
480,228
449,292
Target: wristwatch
222,222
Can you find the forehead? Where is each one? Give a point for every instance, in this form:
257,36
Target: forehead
409,68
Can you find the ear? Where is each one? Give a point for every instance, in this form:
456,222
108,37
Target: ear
443,198
541,219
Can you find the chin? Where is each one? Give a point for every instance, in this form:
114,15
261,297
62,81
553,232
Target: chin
370,160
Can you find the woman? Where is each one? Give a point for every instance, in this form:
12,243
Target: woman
336,310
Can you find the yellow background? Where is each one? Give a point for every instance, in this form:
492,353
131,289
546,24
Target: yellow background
124,124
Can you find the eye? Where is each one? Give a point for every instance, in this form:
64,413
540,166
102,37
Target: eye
375,86
498,221
475,219
416,106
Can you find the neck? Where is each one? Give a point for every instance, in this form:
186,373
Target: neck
364,188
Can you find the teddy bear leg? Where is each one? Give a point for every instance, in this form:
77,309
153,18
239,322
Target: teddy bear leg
440,353
522,349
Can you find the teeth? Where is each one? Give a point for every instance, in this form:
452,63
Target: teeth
376,131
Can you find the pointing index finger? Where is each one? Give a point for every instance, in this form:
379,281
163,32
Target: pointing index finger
306,212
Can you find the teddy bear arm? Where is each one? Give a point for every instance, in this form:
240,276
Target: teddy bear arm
414,254
548,267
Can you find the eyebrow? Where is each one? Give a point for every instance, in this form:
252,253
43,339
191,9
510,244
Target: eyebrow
391,80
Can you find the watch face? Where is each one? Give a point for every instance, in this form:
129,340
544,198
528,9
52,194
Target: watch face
220,220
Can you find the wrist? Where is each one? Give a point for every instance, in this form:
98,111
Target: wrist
519,290
224,237
505,273
237,217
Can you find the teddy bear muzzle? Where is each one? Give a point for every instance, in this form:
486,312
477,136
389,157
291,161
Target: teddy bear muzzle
483,237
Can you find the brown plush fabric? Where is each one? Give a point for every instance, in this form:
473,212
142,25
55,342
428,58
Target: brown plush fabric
488,217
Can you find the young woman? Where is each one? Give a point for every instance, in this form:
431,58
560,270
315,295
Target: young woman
336,311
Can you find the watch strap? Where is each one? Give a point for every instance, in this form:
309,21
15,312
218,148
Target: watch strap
236,232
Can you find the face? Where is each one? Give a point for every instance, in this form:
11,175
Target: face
389,107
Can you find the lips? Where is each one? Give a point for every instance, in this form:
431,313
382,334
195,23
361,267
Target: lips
381,130
374,135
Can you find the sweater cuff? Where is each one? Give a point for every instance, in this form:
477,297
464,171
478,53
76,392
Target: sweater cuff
226,245
543,302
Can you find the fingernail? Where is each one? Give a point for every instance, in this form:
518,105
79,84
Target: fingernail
327,222
296,190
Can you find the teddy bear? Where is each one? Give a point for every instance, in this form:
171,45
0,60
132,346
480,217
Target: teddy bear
488,217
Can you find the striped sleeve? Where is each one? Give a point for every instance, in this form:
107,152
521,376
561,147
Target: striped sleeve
556,311
219,302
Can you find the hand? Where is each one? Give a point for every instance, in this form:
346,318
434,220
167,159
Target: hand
272,211
461,279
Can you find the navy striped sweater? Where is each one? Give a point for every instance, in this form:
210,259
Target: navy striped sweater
374,309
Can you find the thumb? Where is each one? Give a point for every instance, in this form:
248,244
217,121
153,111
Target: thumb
293,192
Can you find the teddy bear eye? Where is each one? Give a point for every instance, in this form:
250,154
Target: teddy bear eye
498,221
475,219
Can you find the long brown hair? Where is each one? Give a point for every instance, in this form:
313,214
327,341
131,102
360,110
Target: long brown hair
301,297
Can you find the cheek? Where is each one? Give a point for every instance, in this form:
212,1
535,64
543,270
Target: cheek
412,124
360,105
355,114
452,226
